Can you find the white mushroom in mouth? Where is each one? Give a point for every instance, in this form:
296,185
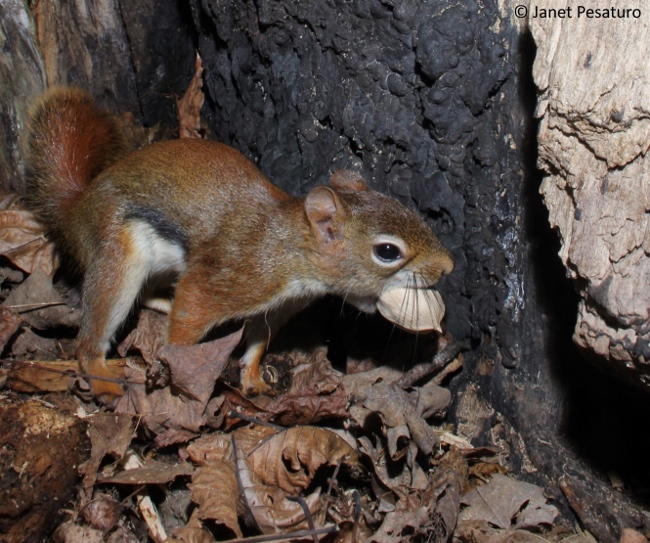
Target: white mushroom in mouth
415,310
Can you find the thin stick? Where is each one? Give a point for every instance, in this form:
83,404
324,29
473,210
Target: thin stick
30,307
330,529
439,361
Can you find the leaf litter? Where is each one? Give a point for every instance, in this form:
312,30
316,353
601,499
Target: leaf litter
186,457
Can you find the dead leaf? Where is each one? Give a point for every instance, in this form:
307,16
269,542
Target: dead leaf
632,536
393,475
151,472
9,323
474,531
504,501
268,504
189,107
377,392
210,449
34,347
193,531
148,337
217,447
290,458
216,491
173,417
121,535
22,241
315,394
429,515
69,532
237,404
195,369
110,433
38,302
170,417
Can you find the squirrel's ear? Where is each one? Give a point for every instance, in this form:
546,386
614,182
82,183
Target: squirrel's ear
348,180
323,208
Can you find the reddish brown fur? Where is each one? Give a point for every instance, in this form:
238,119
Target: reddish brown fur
243,248
71,142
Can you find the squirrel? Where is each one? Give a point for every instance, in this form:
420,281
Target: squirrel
239,247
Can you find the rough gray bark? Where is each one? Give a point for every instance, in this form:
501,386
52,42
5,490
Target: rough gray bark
594,104
22,78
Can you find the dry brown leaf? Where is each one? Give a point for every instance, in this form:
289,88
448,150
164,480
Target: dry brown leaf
290,458
40,304
632,536
268,504
210,449
189,107
121,535
473,531
237,403
193,531
428,515
151,472
392,475
176,418
9,323
29,345
315,394
216,491
172,418
148,337
315,375
503,498
23,242
69,532
377,392
195,369
110,433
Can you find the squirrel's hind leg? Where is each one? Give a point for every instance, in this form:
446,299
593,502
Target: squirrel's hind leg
112,282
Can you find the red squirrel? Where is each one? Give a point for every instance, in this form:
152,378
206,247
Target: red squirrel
240,247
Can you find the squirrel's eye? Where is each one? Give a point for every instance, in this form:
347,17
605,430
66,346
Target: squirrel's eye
387,252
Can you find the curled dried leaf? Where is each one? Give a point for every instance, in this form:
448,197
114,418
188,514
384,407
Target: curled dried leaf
291,458
216,491
269,505
415,310
22,241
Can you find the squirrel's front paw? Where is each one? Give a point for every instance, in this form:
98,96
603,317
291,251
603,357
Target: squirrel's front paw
252,383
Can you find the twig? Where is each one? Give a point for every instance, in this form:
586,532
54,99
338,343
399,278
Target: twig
357,512
235,415
329,529
23,308
305,509
439,361
147,508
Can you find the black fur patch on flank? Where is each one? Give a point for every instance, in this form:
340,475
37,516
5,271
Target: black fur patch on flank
157,220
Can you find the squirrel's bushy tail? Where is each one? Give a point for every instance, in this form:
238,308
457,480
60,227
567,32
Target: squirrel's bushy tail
71,140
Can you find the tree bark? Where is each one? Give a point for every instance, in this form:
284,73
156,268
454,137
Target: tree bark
594,104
